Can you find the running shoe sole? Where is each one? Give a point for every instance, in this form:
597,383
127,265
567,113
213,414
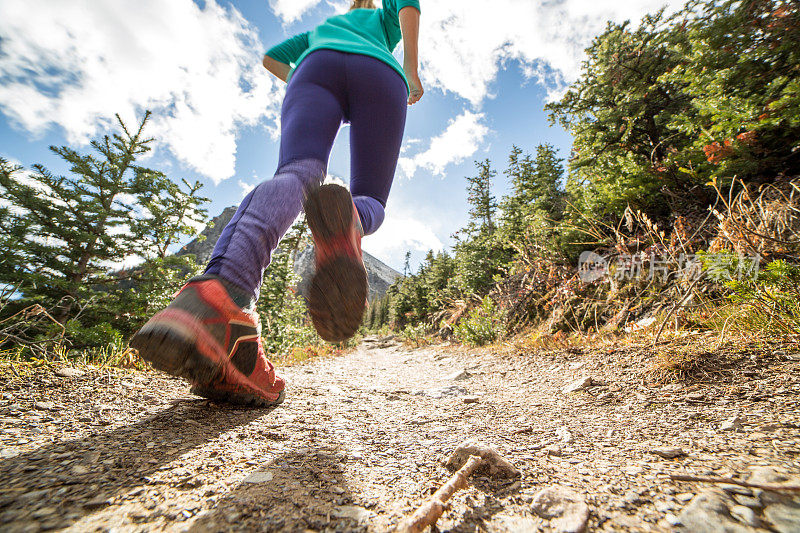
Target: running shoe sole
338,290
236,397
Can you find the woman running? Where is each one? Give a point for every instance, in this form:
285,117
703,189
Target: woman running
342,71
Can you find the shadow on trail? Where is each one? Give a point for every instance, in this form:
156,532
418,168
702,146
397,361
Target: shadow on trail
307,491
60,483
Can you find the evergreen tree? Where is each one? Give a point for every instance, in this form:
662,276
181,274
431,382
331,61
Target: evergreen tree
65,236
482,203
438,282
618,113
707,93
382,313
742,73
533,209
519,171
407,264
480,256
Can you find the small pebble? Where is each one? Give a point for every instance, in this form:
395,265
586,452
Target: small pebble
258,477
668,453
745,515
732,424
67,372
748,501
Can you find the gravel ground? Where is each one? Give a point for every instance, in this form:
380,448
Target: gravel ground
361,439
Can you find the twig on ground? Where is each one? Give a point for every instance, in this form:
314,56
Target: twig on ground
429,512
775,487
704,402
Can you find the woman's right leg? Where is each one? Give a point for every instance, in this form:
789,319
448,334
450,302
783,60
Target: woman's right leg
376,107
209,333
310,118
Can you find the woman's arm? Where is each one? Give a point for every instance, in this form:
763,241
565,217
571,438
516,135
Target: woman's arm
409,26
280,70
279,58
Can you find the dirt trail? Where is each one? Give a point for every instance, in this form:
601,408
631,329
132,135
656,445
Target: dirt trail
360,442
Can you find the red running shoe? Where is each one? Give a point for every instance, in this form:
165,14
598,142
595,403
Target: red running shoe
338,292
205,337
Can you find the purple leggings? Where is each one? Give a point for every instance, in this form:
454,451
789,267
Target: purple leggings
327,89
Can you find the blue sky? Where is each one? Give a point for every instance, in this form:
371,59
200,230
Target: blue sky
488,68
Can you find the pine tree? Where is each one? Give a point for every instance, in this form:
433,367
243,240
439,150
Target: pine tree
479,254
438,282
407,264
369,319
382,314
536,204
65,236
482,203
618,113
708,93
520,168
742,74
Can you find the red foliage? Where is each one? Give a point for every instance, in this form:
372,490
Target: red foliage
716,152
748,138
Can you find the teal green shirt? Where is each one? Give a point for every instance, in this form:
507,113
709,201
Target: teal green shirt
370,32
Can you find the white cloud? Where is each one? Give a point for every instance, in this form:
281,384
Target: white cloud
74,64
465,42
246,187
291,10
398,234
338,180
459,140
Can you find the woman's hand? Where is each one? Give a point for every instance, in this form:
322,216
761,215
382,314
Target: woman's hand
415,88
409,26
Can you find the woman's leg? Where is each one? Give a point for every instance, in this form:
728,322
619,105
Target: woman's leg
312,112
209,333
377,109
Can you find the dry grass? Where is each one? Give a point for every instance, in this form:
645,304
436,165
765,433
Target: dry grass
304,354
113,356
703,357
675,363
682,356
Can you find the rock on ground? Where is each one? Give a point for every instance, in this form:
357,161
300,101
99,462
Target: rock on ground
566,509
580,384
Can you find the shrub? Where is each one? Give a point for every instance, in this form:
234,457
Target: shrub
773,296
94,336
414,335
483,324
